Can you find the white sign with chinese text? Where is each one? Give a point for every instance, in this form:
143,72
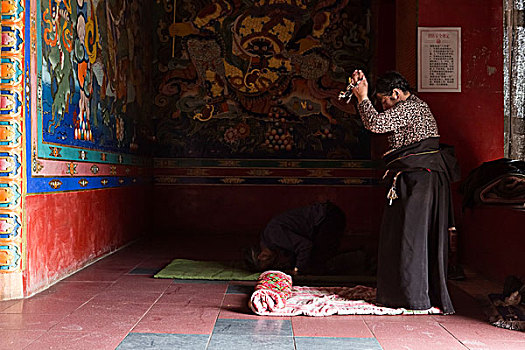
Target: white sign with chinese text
439,59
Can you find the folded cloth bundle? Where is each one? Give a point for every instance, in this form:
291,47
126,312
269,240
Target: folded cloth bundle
501,181
271,291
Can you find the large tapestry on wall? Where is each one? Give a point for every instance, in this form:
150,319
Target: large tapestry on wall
92,60
259,78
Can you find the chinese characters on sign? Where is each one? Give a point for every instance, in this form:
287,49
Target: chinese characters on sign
439,59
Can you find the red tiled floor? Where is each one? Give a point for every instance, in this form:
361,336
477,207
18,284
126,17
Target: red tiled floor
473,332
35,322
182,305
408,329
413,335
423,343
6,304
60,340
44,306
155,262
174,320
197,288
194,299
93,276
474,317
175,324
127,296
490,344
94,308
97,307
140,283
109,316
106,322
183,310
111,266
18,339
332,326
72,291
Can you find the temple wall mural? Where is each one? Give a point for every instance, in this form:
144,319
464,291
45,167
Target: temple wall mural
90,62
74,116
104,94
259,79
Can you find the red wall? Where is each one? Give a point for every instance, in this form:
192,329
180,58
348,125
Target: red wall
473,121
494,241
66,231
239,213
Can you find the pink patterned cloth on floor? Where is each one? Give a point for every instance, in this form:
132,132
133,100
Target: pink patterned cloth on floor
275,296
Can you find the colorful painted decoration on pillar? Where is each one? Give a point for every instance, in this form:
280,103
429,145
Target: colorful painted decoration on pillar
9,164
10,226
11,102
12,11
11,69
9,257
12,96
12,41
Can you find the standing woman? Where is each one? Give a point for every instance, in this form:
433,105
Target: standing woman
413,244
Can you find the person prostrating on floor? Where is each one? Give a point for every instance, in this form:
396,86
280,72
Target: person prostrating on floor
299,241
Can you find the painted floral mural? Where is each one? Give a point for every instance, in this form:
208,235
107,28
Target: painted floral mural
94,73
259,78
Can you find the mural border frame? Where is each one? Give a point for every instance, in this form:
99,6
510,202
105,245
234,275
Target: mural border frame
57,168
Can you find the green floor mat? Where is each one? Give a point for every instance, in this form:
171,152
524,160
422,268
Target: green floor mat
233,271
206,270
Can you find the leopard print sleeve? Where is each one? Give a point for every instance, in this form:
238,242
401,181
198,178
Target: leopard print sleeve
389,120
407,122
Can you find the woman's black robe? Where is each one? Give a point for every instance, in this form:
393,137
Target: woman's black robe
413,245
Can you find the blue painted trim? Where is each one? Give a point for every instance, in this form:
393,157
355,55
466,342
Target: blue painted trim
65,184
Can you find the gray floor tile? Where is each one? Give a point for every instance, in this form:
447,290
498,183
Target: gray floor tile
139,341
253,327
144,271
321,343
252,342
239,289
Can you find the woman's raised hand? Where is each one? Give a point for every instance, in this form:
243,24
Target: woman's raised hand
360,89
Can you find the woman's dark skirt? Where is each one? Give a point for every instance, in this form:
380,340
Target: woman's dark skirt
413,246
